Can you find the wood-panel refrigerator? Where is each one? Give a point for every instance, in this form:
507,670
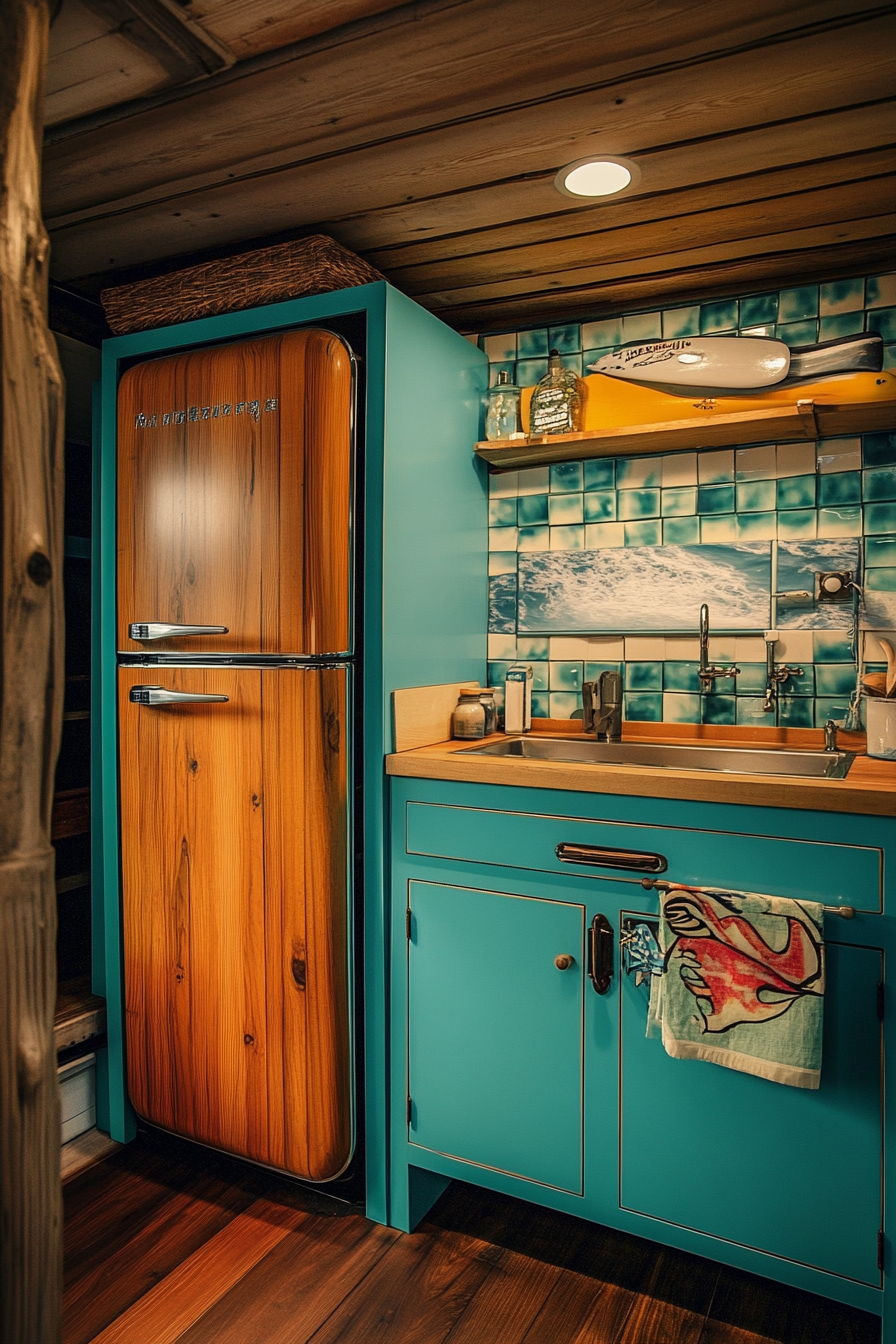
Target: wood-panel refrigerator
236,647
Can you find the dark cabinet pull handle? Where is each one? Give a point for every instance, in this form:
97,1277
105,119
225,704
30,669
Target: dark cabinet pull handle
600,953
605,856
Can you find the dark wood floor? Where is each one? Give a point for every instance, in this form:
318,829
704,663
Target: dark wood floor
168,1244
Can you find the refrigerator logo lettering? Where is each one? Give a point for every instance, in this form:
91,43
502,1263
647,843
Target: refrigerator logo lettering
252,408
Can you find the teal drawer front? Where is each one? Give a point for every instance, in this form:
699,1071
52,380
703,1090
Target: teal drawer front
789,1172
495,1043
833,872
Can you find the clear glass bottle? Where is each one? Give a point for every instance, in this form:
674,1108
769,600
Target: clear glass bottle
502,418
468,719
556,406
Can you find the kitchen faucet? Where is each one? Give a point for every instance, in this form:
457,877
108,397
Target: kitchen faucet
775,677
707,672
602,706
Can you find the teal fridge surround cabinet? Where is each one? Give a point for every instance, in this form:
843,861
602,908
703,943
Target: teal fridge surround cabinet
423,619
468,851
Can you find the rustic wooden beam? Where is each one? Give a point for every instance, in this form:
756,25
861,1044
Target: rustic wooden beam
31,687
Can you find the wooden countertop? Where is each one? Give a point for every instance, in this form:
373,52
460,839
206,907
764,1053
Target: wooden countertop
869,788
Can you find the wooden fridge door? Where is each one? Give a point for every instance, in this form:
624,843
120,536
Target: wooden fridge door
234,498
234,877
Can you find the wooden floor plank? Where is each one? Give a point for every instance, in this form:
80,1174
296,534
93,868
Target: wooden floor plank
749,1310
296,1287
581,1310
163,1314
508,1301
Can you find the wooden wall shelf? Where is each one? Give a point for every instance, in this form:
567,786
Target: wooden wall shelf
779,423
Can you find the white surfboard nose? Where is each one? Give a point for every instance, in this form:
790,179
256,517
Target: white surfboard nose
701,361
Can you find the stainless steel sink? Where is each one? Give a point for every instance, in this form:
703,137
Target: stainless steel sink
686,756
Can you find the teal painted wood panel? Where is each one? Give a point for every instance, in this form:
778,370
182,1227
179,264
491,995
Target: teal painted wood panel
495,1038
790,1172
831,872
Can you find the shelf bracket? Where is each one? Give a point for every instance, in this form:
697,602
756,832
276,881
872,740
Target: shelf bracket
806,409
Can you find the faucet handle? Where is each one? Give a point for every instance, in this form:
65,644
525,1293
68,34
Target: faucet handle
590,702
830,735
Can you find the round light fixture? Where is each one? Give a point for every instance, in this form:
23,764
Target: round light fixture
599,175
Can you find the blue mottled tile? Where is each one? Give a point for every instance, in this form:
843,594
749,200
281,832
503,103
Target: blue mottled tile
681,322
832,646
565,477
880,290
681,531
566,339
881,580
843,522
571,538
541,705
756,496
751,679
838,488
564,510
593,670
884,321
759,310
795,524
643,534
502,513
719,316
802,684
879,450
880,519
798,333
500,349
572,362
532,344
644,708
757,526
681,677
532,510
639,473
795,492
504,367
496,673
679,501
681,708
716,467
795,304
565,705
530,371
715,499
565,676
879,483
719,709
502,562
643,676
749,712
830,708
796,712
540,676
719,528
502,604
642,327
502,648
606,333
600,506
533,539
632,504
600,473
590,357
841,324
533,648
841,296
880,551
502,538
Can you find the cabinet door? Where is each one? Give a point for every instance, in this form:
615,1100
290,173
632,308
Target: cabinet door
495,1036
791,1172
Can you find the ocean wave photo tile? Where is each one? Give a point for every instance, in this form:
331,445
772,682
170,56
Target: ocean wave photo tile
645,588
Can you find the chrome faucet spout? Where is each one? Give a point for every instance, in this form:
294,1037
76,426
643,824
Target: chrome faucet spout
707,672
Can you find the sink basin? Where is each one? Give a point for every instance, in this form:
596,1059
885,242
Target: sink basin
684,756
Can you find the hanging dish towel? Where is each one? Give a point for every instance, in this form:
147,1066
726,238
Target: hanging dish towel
743,982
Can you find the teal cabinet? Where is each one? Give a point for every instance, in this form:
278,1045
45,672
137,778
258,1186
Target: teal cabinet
495,1043
524,1079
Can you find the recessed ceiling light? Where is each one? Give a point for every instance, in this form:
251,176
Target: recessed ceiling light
600,175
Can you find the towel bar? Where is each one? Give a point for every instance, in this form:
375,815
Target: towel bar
844,911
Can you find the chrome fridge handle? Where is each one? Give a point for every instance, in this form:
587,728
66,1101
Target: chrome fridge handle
156,695
143,631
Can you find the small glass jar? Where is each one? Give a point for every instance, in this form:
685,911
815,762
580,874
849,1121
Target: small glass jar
487,700
502,418
468,719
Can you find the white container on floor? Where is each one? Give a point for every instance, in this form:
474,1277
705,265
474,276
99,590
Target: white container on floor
880,725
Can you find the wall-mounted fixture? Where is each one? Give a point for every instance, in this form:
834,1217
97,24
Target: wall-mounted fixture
598,175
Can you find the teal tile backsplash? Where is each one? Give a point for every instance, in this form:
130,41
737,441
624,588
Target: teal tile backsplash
833,491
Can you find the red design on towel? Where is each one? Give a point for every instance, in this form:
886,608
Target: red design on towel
733,973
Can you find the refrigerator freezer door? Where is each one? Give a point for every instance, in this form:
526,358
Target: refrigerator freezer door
235,901
234,498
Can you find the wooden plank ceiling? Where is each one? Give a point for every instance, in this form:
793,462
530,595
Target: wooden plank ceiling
426,137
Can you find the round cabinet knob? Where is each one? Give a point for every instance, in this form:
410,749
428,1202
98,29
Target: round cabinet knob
564,961
832,584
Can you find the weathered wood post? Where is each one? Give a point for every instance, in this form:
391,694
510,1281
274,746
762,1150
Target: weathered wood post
31,691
